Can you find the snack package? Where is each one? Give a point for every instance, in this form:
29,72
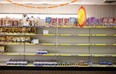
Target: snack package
96,21
54,22
73,21
60,21
37,21
114,21
32,20
105,21
92,21
110,21
87,22
66,21
48,21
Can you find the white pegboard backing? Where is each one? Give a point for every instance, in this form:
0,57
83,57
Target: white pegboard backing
45,39
108,31
103,40
32,58
73,39
15,48
33,49
102,50
96,60
73,49
73,59
73,31
7,58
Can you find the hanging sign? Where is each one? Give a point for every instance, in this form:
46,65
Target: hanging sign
82,16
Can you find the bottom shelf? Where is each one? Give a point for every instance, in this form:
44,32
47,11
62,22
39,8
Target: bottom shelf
31,65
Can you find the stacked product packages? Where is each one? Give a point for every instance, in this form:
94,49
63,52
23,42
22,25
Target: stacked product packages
40,51
105,21
15,39
28,21
45,62
17,62
72,21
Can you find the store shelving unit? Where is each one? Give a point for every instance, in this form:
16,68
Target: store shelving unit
66,43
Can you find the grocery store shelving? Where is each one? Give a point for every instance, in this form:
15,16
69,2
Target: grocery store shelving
57,54
16,43
17,34
64,26
63,65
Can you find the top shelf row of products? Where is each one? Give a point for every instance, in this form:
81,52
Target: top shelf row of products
52,22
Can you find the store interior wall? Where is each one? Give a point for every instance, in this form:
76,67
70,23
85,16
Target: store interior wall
92,10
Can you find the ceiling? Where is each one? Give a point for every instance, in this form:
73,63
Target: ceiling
57,1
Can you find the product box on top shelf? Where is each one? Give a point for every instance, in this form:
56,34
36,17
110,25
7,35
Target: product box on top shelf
48,21
37,20
110,21
54,22
91,21
67,22
73,21
105,21
60,22
114,23
97,22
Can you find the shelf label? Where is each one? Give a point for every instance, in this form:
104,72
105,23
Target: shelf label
83,44
101,44
114,44
98,55
65,54
114,26
65,26
48,34
101,27
100,35
114,34
65,34
83,34
65,44
113,55
84,55
47,44
109,55
49,55
30,54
